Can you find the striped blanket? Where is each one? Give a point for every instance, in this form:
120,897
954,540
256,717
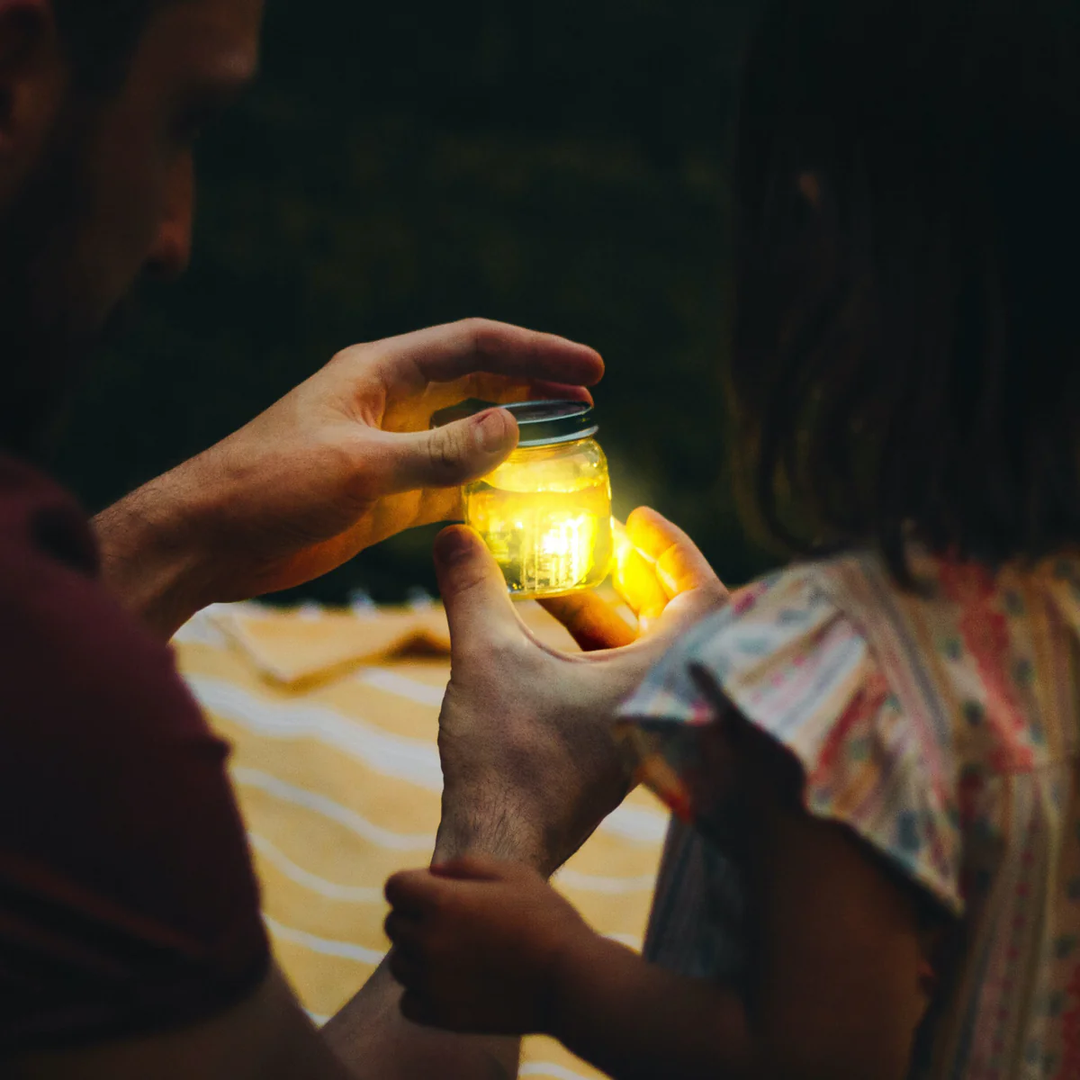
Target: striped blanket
332,716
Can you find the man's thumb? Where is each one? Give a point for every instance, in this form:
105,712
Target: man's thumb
456,453
478,607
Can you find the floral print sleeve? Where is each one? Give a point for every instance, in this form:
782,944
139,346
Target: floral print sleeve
941,724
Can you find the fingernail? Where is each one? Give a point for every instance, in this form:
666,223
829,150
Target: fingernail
452,544
490,431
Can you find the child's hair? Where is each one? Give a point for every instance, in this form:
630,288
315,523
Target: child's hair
907,340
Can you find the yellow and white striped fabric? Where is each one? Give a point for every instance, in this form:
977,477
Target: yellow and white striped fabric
333,717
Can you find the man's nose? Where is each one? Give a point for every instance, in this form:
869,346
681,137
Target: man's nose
171,252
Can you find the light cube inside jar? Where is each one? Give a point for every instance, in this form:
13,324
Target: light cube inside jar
545,513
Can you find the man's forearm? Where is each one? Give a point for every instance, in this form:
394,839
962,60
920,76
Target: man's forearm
371,1037
149,560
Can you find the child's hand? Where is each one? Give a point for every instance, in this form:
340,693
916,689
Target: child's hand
479,945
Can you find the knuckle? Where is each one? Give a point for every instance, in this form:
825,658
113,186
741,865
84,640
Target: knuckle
350,356
445,452
397,887
482,333
473,325
392,889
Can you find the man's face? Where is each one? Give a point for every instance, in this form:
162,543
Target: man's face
111,194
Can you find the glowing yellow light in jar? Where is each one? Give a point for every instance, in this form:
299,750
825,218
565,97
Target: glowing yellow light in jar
545,513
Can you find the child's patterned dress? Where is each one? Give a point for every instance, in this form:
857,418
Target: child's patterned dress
942,725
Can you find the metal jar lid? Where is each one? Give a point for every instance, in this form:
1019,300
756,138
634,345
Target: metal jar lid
541,423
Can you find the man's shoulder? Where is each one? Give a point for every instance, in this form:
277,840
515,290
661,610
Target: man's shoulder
71,653
40,525
128,890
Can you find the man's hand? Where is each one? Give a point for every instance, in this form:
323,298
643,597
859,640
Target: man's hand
530,766
478,945
342,462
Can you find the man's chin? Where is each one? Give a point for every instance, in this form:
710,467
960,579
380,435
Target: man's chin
52,322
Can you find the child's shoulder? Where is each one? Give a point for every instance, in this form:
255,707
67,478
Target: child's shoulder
784,623
890,698
783,614
962,642
797,601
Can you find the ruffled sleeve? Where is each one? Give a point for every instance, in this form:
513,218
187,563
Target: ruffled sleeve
788,659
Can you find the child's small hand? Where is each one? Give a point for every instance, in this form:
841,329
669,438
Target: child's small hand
478,945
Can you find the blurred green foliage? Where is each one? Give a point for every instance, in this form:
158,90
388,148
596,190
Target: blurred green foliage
562,165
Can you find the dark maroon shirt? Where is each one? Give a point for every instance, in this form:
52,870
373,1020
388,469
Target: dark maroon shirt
127,898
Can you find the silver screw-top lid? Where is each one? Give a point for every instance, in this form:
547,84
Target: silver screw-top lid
541,423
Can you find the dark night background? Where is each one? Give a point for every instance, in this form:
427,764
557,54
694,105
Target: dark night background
561,164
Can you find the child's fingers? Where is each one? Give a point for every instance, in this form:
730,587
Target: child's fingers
652,534
593,623
635,578
411,892
679,565
401,929
469,877
472,868
405,968
416,1008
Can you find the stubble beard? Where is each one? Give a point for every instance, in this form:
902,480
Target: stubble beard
46,340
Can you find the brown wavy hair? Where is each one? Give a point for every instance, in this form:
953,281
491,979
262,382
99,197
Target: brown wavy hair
906,354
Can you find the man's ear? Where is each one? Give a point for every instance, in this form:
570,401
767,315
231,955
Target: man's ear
33,81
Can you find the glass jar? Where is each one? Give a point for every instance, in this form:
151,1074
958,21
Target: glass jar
545,512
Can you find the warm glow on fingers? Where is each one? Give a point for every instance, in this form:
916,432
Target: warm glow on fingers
680,566
636,578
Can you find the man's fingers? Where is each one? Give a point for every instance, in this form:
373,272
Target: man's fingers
502,390
593,623
443,457
679,565
444,353
550,391
478,607
498,389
